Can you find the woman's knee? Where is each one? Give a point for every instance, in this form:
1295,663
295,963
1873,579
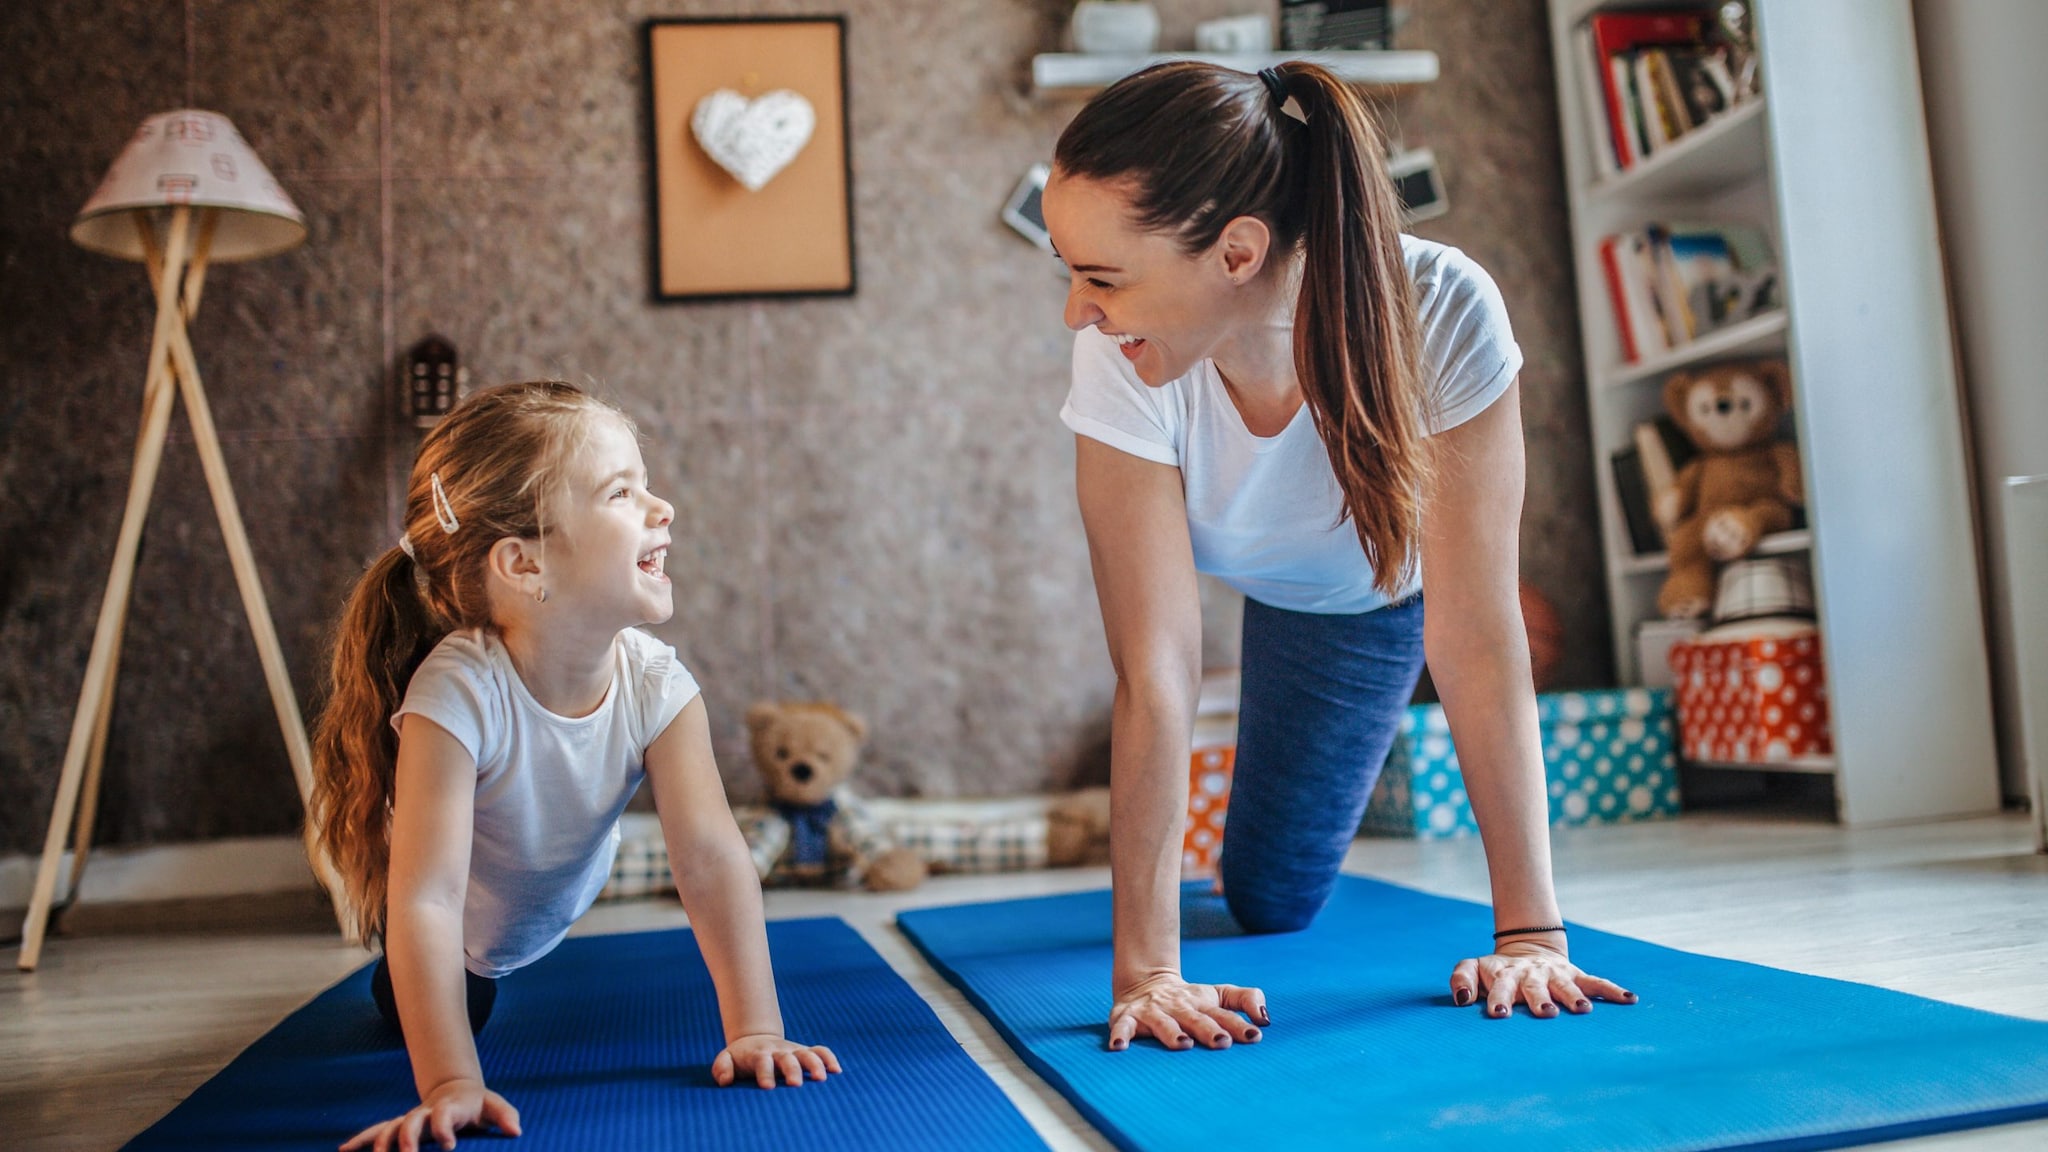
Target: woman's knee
1260,914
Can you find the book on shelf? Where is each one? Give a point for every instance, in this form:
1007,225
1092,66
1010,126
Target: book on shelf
1660,476
1592,102
1648,466
1632,493
1650,78
1670,284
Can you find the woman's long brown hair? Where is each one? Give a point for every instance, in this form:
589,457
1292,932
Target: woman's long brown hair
499,457
1200,145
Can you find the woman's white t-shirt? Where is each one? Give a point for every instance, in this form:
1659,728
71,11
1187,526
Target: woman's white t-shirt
549,788
1264,513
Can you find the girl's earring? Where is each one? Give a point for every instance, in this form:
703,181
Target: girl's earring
541,597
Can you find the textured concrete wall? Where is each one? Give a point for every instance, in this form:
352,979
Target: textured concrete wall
874,494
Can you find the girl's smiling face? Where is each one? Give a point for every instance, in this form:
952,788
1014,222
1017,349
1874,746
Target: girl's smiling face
1167,310
605,561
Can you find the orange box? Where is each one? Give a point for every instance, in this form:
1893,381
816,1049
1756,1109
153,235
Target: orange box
1762,700
1208,798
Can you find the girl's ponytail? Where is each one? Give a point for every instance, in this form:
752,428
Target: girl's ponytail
384,633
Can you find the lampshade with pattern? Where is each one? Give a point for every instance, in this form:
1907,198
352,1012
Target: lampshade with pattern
195,158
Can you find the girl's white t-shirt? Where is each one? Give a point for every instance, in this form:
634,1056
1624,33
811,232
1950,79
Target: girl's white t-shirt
549,788
1264,513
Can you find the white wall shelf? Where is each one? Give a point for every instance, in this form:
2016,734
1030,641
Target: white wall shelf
1812,765
1755,336
1776,544
1072,74
1831,163
1717,154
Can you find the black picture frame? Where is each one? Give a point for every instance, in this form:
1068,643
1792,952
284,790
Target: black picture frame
651,129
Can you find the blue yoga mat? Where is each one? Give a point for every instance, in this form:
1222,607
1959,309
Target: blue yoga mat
1366,1049
607,1044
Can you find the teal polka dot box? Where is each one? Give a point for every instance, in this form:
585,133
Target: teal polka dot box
1608,756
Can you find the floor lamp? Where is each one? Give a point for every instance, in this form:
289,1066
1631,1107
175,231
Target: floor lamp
187,191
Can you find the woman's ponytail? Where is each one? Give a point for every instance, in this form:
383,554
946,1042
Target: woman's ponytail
1356,344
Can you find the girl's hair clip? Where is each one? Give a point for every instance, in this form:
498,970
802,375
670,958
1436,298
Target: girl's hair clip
443,510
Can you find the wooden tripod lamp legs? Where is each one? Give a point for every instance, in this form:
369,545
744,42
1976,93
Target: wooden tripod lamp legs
172,366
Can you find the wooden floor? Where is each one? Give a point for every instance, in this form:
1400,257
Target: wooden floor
115,1029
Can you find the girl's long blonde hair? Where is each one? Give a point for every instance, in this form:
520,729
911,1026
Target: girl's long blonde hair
498,458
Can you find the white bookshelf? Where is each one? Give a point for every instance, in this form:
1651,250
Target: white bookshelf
1831,162
1074,74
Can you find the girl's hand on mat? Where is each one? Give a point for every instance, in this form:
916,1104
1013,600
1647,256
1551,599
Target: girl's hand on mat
1536,974
762,1055
1179,1014
448,1109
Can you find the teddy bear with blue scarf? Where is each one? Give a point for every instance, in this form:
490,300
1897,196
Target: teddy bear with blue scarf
814,829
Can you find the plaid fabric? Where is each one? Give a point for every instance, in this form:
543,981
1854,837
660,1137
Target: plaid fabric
965,846
952,836
641,867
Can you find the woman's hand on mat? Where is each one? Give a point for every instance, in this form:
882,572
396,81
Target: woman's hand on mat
448,1109
1179,1014
762,1055
1536,974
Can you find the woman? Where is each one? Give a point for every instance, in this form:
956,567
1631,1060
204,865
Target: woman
1273,385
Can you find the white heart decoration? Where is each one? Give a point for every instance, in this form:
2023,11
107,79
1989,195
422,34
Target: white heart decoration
753,139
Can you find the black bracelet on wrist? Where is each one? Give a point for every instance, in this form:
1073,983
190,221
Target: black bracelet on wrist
1526,931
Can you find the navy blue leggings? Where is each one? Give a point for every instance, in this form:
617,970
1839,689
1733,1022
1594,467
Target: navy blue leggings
1323,697
481,992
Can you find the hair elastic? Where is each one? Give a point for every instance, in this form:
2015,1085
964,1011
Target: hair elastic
1527,931
443,510
1276,89
405,546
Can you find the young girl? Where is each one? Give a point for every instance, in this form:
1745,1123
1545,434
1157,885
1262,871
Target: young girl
493,708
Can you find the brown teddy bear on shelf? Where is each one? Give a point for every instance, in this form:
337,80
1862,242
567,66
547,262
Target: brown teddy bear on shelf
1743,485
816,830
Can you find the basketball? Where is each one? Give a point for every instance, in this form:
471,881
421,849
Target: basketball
1546,635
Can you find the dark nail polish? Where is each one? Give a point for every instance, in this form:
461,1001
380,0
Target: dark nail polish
1461,997
1584,1005
1251,1034
1500,1011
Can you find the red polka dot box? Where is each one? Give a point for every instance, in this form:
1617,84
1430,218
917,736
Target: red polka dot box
1760,700
1608,757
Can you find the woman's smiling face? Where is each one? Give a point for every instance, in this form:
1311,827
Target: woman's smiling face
1166,310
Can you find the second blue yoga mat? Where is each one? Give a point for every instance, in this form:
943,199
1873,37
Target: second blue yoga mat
1366,1050
606,1044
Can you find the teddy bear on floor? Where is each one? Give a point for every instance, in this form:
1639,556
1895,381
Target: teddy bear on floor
1742,486
816,830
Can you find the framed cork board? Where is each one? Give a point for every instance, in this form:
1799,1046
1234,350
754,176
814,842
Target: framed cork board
744,203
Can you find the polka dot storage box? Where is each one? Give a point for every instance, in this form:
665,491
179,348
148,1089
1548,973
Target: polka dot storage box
1608,757
1209,772
1760,699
